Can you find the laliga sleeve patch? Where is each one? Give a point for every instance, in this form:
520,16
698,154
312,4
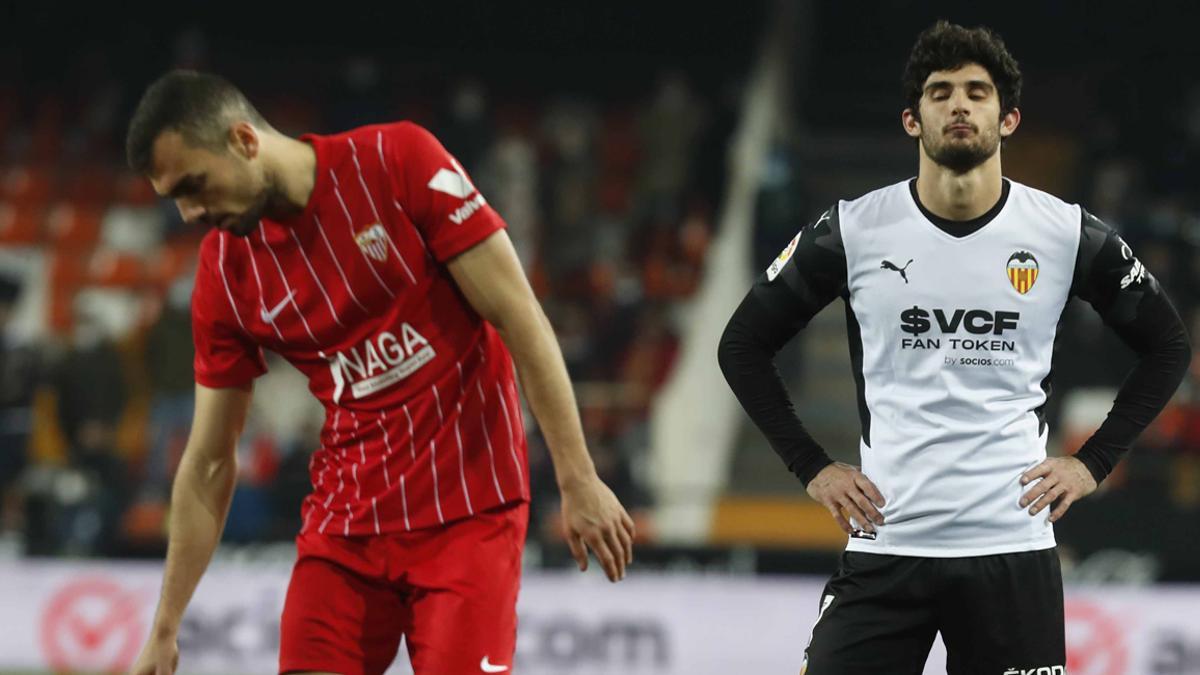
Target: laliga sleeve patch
785,255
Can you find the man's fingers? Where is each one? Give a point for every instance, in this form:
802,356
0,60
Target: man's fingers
628,524
1036,472
1046,499
1042,487
616,550
1061,510
606,557
868,509
626,536
578,551
868,488
856,514
839,518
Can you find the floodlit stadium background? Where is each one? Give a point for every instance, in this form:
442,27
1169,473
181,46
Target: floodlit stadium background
649,162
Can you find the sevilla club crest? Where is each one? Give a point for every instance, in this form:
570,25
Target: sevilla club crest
373,241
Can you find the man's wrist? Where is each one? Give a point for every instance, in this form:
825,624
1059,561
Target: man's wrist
571,477
164,629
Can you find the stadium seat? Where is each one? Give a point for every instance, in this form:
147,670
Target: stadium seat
20,224
73,226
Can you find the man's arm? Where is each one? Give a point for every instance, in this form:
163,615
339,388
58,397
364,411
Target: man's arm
199,504
806,277
1131,302
490,276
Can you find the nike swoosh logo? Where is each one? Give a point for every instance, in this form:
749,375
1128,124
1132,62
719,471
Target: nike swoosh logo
269,317
487,667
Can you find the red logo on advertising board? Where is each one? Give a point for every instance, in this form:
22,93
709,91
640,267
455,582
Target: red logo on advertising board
1095,641
92,624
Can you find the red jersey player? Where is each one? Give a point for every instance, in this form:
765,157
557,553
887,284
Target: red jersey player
370,262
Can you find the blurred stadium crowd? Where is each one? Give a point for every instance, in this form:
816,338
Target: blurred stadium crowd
604,201
612,199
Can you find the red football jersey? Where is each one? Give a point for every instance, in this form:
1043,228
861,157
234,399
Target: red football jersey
422,421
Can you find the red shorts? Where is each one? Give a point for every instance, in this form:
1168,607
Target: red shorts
450,591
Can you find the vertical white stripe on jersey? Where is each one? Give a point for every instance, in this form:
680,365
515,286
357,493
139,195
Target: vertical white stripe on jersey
341,484
404,503
262,232
350,225
388,446
512,442
338,265
488,439
462,393
437,501
438,399
349,517
324,467
221,267
375,512
363,183
462,464
320,286
262,301
383,163
379,147
354,469
325,522
412,441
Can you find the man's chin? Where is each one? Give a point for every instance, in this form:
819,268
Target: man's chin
960,159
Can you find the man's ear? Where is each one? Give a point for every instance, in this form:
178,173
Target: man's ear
1009,122
244,139
911,121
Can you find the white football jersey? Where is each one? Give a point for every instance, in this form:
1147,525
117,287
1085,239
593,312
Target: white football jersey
952,339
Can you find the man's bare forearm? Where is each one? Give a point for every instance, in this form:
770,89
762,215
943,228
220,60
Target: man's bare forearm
543,375
199,505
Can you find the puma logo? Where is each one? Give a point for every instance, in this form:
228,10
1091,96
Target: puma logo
889,265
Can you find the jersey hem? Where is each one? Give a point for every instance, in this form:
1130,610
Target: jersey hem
863,546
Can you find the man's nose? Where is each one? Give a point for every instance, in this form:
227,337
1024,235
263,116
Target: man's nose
958,104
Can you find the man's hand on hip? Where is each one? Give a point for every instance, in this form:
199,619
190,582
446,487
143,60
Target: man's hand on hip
1063,480
846,491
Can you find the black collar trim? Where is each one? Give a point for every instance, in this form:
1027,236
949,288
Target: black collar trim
961,228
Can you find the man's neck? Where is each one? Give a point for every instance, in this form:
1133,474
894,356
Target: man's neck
959,196
293,167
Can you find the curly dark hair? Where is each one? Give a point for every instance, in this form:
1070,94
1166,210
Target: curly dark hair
948,46
200,106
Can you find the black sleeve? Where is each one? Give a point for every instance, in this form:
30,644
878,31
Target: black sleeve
1131,302
806,276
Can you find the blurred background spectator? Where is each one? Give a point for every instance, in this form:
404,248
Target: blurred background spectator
604,136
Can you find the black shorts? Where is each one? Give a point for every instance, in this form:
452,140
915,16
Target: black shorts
998,615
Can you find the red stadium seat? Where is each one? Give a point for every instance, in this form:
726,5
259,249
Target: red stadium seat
73,226
26,185
108,268
20,224
172,260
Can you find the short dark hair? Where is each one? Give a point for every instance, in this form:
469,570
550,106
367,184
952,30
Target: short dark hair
200,106
948,46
